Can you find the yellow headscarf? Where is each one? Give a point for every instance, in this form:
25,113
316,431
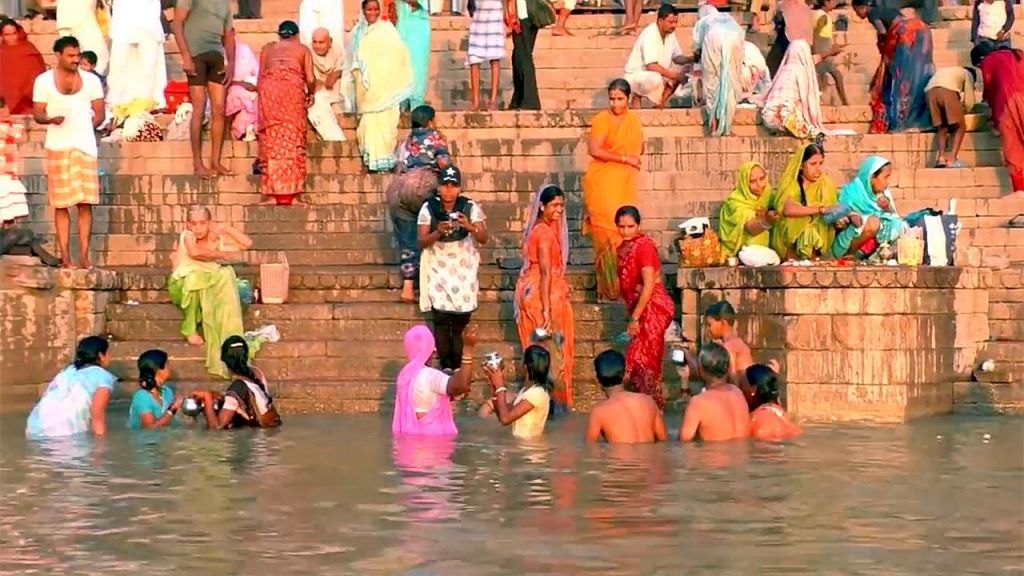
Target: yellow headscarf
788,230
739,208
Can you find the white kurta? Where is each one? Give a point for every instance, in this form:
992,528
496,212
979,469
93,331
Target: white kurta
78,18
321,114
138,69
329,14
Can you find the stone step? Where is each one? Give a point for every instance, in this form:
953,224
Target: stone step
988,398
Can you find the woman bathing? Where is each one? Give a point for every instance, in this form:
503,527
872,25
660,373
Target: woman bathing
155,404
615,148
204,287
768,421
76,399
528,413
543,310
247,401
423,396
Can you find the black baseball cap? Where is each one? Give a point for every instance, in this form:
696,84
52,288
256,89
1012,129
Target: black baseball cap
287,29
451,175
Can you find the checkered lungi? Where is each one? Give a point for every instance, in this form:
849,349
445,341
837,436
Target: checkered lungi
72,178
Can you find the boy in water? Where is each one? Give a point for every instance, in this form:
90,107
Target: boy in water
624,417
721,322
720,412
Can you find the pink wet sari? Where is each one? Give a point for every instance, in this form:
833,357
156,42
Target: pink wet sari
419,346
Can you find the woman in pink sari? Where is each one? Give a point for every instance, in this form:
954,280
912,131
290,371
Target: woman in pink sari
240,107
423,395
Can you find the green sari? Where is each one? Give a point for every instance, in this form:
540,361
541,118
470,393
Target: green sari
739,208
804,236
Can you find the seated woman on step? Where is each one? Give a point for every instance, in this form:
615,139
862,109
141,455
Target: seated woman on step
746,218
868,198
204,286
805,195
76,399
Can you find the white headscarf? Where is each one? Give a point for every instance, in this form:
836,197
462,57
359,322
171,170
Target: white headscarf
531,220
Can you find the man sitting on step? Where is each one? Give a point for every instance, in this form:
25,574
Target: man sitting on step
328,68
650,69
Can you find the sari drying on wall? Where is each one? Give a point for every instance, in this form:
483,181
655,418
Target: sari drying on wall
607,186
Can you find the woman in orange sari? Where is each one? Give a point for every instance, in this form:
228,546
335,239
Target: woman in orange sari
616,143
543,311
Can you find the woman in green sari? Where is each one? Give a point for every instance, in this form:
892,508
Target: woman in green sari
746,216
869,199
804,196
382,79
205,289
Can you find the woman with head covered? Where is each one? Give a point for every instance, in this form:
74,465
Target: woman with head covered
423,394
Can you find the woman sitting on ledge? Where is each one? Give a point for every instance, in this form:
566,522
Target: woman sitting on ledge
204,287
745,218
76,399
869,201
805,195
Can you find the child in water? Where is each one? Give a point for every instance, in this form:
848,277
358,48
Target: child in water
768,421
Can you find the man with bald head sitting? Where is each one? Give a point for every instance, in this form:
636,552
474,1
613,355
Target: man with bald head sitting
328,67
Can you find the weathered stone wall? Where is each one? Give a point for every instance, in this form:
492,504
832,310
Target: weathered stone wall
874,344
1000,389
43,313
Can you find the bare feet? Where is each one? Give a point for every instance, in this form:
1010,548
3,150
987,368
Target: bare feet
628,29
203,172
492,105
560,31
84,261
195,340
66,264
222,170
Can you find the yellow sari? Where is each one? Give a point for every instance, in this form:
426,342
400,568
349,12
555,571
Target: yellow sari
607,186
739,208
382,77
803,237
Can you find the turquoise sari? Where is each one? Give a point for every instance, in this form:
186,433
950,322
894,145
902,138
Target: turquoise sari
414,28
861,199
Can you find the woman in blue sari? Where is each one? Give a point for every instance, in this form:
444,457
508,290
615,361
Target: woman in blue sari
414,28
897,90
873,216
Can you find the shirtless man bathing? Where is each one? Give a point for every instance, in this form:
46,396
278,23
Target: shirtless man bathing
719,412
624,417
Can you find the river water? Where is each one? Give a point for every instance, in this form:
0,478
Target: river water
335,495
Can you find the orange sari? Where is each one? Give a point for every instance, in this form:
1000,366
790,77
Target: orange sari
607,186
530,308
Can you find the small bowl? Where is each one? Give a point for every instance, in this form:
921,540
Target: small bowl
191,407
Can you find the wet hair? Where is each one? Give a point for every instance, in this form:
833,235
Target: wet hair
89,350
150,363
65,42
765,382
628,211
973,72
90,57
621,85
714,360
666,10
538,364
421,116
549,194
610,368
722,311
234,353
200,208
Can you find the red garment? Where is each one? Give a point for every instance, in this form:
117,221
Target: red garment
646,350
769,422
20,64
281,96
1003,76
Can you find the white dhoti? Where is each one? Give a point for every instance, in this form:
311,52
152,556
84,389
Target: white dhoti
137,71
323,115
650,85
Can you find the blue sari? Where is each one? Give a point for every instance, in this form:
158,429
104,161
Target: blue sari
861,200
414,28
898,100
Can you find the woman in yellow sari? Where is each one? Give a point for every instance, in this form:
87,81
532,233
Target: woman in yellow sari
616,144
381,80
805,195
746,216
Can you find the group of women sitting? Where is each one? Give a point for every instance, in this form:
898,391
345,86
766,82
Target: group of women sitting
76,400
807,217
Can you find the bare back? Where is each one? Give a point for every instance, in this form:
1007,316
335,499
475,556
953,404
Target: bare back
719,413
627,418
283,54
740,357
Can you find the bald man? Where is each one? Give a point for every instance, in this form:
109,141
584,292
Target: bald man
328,69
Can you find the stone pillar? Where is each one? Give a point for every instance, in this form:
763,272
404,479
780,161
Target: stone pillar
867,343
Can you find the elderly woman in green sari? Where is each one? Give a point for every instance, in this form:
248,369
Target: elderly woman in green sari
746,216
204,287
869,202
382,78
806,199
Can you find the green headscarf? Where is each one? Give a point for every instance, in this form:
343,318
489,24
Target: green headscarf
807,234
739,208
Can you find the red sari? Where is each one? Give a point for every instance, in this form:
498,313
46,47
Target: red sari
21,64
281,96
1002,72
646,350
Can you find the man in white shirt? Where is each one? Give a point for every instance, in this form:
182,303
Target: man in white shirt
328,68
70,105
137,66
329,14
650,70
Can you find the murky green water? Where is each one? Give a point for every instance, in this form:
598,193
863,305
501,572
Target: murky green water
335,495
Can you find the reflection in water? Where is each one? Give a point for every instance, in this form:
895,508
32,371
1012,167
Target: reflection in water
337,495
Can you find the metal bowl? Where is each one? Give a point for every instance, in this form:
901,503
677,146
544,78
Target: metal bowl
191,407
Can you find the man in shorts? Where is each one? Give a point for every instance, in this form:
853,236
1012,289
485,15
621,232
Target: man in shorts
950,95
205,37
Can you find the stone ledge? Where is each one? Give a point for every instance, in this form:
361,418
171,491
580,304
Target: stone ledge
825,276
28,272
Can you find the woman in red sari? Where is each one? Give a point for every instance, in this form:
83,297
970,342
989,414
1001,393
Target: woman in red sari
21,62
650,307
284,91
1002,72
